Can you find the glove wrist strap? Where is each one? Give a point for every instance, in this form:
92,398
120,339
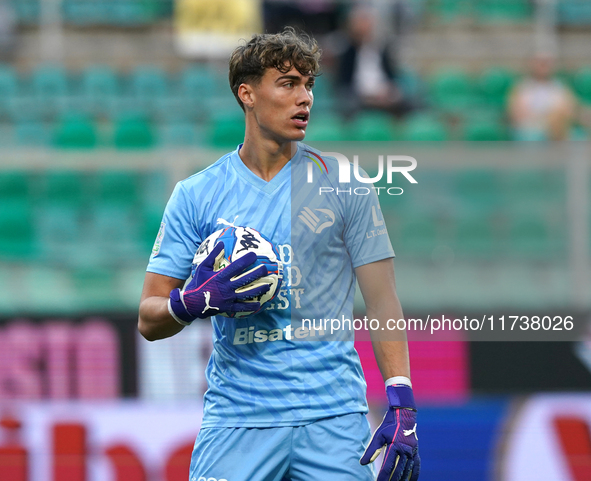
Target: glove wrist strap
177,308
401,396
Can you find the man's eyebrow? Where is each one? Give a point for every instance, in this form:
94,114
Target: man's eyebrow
295,77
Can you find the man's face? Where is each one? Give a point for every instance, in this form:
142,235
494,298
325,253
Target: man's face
282,103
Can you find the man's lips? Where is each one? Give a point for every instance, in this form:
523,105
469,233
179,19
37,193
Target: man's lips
301,119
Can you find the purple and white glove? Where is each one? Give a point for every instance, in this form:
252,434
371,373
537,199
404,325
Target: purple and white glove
210,292
398,435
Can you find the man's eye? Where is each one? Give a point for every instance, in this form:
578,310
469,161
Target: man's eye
289,84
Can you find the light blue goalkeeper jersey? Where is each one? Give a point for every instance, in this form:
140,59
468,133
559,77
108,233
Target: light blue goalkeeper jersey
274,368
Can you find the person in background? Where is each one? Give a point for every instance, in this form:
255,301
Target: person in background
541,107
366,70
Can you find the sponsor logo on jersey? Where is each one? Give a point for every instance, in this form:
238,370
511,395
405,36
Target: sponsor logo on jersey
318,219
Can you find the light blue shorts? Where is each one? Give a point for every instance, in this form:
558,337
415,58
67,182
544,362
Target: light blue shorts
326,450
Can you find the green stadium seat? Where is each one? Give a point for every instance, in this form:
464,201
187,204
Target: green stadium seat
490,130
574,12
475,237
15,186
132,12
95,287
451,90
447,11
477,191
133,131
49,88
325,127
535,191
227,130
84,12
32,134
424,127
324,95
118,188
417,235
100,87
17,231
494,85
532,238
180,134
64,188
75,131
372,126
503,11
148,84
28,12
582,84
8,87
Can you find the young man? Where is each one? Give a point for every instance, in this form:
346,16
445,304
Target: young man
288,406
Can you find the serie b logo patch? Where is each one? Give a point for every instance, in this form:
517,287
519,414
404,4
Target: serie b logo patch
158,242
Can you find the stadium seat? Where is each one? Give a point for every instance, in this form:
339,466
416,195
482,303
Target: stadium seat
15,186
32,134
100,88
179,134
451,90
95,287
582,84
372,126
75,131
503,11
450,10
494,85
324,127
148,85
490,130
474,236
477,190
118,188
418,235
424,127
27,11
535,191
324,95
574,12
132,12
8,87
60,216
133,131
17,231
84,12
532,237
49,87
227,130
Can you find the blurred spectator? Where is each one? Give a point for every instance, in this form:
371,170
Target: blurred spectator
7,29
313,16
540,106
367,72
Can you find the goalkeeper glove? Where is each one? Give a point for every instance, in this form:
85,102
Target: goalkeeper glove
398,434
210,292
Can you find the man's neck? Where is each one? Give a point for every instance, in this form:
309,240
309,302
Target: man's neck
266,158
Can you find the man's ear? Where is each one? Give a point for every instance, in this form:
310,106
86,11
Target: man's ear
246,95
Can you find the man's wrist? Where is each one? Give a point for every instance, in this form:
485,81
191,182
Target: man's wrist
177,308
401,396
398,380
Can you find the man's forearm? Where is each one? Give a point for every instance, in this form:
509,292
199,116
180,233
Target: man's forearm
155,322
390,346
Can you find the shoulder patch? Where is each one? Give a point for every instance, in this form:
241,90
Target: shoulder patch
158,242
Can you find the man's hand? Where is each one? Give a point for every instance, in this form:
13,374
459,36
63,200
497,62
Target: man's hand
210,293
398,434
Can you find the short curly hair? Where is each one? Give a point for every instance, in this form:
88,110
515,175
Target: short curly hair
283,51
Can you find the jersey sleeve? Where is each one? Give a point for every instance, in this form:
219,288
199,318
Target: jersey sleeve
366,235
178,237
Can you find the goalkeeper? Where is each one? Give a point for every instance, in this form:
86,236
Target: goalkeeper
284,407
